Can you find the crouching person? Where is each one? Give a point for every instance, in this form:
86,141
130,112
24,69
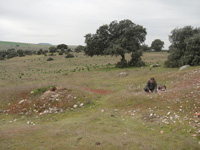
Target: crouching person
151,86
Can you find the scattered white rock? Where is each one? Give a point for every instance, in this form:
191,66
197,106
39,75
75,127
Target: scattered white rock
176,116
123,74
184,67
102,110
155,65
75,106
81,105
194,135
151,114
46,111
22,101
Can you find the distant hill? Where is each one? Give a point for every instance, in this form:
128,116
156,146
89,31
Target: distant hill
5,45
44,44
12,43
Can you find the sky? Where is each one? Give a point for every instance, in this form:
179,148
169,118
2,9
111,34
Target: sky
68,21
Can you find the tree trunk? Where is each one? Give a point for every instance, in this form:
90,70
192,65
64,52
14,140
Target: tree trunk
123,58
122,63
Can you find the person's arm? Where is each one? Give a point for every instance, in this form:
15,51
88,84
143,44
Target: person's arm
147,86
155,88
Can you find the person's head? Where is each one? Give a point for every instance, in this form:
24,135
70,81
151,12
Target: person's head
152,80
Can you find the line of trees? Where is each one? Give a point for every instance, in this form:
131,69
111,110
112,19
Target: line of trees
10,53
60,49
156,46
119,38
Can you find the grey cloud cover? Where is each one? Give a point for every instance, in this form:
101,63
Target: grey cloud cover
67,21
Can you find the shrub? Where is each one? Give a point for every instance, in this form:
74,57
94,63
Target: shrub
122,64
136,59
50,59
42,90
60,53
185,47
69,56
157,45
79,49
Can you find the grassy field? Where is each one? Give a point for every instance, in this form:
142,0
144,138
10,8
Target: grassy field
93,107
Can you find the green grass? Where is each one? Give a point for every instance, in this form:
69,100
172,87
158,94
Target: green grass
124,118
42,90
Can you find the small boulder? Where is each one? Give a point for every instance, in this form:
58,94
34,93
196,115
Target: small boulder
22,101
102,110
155,65
75,106
81,105
123,74
184,67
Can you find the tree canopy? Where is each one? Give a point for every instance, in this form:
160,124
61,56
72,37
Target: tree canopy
117,39
157,45
52,49
185,47
144,47
79,48
62,46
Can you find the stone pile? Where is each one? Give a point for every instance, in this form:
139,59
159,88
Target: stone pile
50,102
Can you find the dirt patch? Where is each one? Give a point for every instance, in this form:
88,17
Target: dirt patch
49,102
189,81
99,91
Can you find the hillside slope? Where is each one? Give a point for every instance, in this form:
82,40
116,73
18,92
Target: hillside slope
97,108
5,45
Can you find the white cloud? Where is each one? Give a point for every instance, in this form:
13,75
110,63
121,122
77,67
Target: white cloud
67,21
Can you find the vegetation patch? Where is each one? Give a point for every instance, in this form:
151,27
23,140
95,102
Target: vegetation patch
43,89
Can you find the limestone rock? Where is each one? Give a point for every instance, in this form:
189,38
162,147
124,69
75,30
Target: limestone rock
184,67
155,65
123,74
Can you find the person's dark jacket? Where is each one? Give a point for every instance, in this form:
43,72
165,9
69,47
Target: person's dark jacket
151,86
